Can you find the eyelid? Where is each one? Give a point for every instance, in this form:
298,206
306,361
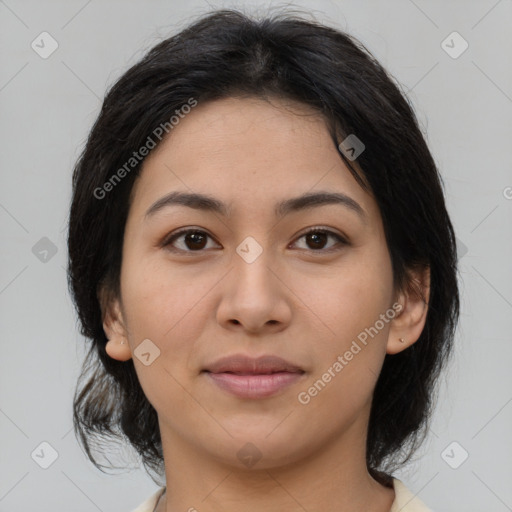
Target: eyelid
184,231
323,229
342,239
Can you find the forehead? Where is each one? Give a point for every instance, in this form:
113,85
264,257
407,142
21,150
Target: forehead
230,125
241,149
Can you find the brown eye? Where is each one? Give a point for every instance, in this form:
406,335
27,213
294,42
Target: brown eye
192,240
316,240
196,240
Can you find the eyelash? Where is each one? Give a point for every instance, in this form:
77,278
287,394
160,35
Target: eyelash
341,241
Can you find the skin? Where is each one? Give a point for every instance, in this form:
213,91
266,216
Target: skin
296,300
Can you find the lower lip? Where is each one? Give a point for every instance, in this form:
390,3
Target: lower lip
254,386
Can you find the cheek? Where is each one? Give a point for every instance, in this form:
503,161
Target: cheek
352,295
350,304
169,309
350,354
160,300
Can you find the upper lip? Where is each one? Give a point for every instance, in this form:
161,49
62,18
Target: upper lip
240,363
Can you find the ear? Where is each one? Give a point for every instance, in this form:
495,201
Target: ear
118,346
409,322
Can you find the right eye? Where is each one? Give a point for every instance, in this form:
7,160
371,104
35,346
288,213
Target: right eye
193,240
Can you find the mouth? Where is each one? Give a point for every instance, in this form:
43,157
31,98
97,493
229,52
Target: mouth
254,378
245,365
254,385
256,373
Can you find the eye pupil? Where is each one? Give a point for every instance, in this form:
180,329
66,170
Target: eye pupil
317,238
194,238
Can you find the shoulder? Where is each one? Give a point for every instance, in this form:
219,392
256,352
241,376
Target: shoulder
405,500
150,504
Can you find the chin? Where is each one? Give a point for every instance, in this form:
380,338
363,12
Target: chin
254,449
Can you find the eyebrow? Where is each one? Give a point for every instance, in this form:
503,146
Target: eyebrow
211,204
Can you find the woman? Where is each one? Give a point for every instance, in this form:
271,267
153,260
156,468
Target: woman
261,256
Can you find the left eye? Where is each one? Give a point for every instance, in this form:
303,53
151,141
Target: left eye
194,240
318,238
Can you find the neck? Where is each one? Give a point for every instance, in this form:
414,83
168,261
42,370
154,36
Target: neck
331,478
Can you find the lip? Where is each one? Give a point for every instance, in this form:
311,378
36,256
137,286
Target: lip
247,377
242,364
254,386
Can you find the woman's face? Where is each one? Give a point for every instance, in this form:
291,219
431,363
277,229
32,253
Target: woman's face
251,282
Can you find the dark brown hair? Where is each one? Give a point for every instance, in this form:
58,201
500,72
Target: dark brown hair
227,53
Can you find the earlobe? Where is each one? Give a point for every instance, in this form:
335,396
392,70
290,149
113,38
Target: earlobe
118,349
408,324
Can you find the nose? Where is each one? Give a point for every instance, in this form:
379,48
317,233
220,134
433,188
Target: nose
255,297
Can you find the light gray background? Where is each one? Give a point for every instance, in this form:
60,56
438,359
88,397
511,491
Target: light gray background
48,106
